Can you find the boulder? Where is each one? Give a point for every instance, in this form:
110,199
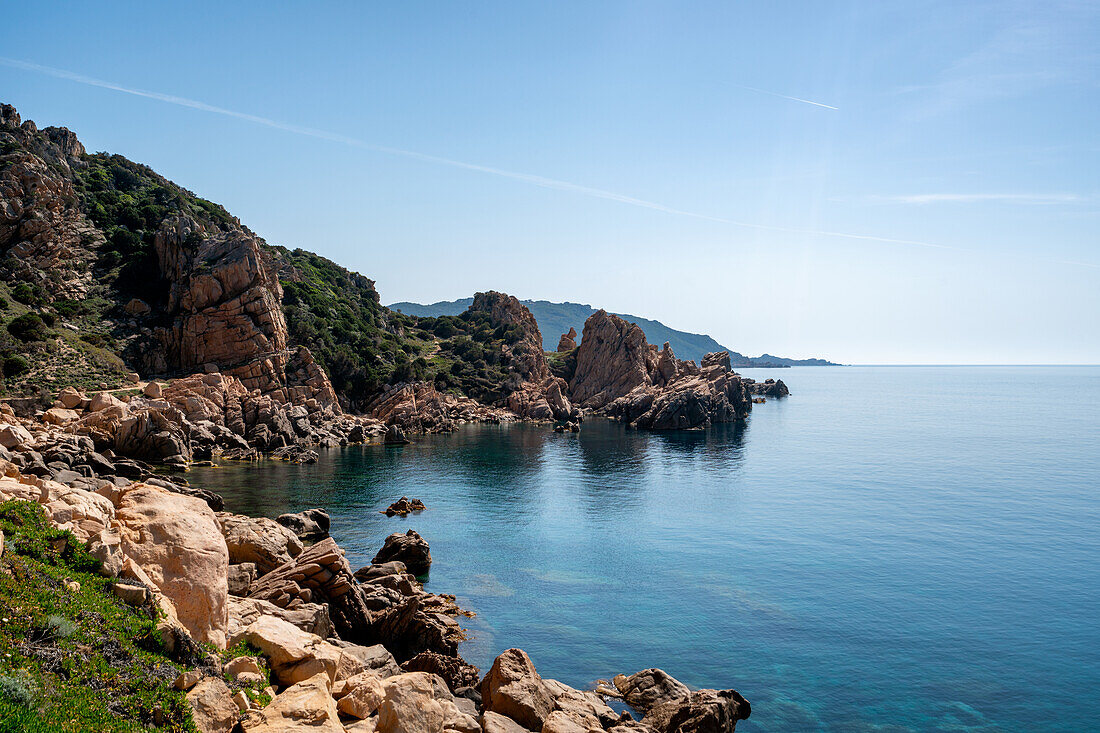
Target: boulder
368,573
409,548
513,688
241,578
496,723
177,542
312,524
305,706
70,398
395,436
361,695
356,658
258,540
103,400
418,702
454,670
642,690
702,711
60,416
14,436
294,654
212,706
153,391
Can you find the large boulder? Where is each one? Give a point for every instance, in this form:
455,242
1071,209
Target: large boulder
361,695
305,706
177,542
418,702
513,688
409,548
14,435
258,540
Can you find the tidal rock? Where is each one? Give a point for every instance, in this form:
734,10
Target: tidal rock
513,688
611,361
373,572
409,548
702,711
404,506
395,436
642,690
312,524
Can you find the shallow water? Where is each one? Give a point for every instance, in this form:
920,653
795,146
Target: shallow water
888,549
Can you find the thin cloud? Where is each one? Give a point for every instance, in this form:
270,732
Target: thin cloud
785,96
969,198
427,158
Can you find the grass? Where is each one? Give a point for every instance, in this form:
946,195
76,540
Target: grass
72,656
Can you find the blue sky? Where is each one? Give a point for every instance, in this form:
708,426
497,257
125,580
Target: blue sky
934,197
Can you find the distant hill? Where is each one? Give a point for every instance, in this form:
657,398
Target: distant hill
554,319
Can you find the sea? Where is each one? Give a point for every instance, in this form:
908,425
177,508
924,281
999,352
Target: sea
887,549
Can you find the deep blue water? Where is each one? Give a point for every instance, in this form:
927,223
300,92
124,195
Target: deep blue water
889,549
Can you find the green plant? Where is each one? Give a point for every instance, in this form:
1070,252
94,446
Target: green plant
15,365
28,327
24,293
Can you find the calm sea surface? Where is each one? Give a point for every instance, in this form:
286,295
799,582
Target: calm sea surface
889,549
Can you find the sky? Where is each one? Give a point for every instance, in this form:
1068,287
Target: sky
870,182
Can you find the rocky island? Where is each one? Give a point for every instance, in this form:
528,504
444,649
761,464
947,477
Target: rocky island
144,330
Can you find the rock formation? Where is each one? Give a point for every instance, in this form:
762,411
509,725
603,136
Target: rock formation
568,341
620,375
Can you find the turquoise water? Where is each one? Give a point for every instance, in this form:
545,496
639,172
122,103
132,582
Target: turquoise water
889,549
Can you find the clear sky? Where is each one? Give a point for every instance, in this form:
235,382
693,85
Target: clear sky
873,182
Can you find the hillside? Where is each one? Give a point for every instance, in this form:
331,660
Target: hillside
555,319
109,269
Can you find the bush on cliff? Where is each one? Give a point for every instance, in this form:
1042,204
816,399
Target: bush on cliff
28,327
72,656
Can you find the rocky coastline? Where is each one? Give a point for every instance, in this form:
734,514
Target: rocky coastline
150,331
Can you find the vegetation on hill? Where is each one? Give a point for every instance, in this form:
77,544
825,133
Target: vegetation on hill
365,346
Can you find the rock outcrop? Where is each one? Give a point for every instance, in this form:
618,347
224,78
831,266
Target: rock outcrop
320,574
410,549
568,341
622,376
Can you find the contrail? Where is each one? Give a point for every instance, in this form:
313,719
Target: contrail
784,96
524,177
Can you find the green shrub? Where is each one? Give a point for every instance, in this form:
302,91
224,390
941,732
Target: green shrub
24,293
3,303
15,365
28,327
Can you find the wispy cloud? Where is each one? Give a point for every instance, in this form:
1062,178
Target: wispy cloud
969,198
529,178
785,96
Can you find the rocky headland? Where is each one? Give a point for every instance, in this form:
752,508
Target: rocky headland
145,330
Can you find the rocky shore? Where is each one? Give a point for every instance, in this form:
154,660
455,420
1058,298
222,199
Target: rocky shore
344,649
